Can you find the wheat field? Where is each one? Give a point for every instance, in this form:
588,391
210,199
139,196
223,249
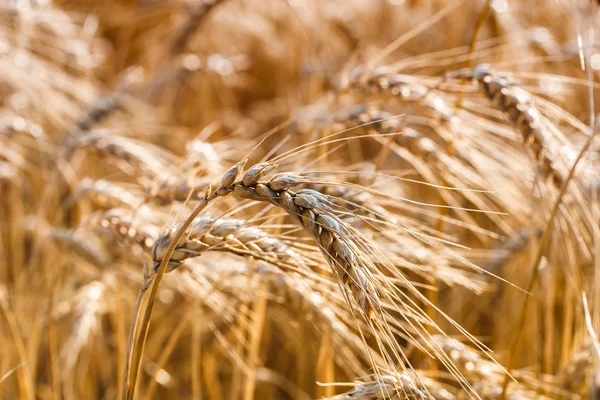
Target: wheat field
299,199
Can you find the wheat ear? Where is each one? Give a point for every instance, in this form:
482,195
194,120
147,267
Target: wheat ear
104,194
308,207
520,109
578,373
128,153
399,386
195,16
405,87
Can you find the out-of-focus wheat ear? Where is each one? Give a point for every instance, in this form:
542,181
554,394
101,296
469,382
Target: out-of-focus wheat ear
131,155
172,189
486,375
107,104
578,374
90,306
383,80
399,386
203,158
120,226
438,390
201,164
489,390
510,247
374,119
102,108
468,362
520,109
83,243
104,194
12,124
194,17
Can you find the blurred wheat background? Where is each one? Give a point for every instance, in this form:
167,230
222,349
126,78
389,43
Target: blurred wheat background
299,199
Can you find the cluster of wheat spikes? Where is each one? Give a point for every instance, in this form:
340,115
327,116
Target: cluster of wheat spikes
319,199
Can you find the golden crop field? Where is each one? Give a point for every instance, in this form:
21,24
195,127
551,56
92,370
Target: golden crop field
299,199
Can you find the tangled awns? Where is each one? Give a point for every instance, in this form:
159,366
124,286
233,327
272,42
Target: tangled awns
299,199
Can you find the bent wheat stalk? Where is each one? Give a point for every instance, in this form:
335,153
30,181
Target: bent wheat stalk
132,366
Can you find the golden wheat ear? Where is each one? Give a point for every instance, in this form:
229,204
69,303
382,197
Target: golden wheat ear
519,108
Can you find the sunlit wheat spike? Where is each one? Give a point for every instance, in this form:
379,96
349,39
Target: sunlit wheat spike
520,109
